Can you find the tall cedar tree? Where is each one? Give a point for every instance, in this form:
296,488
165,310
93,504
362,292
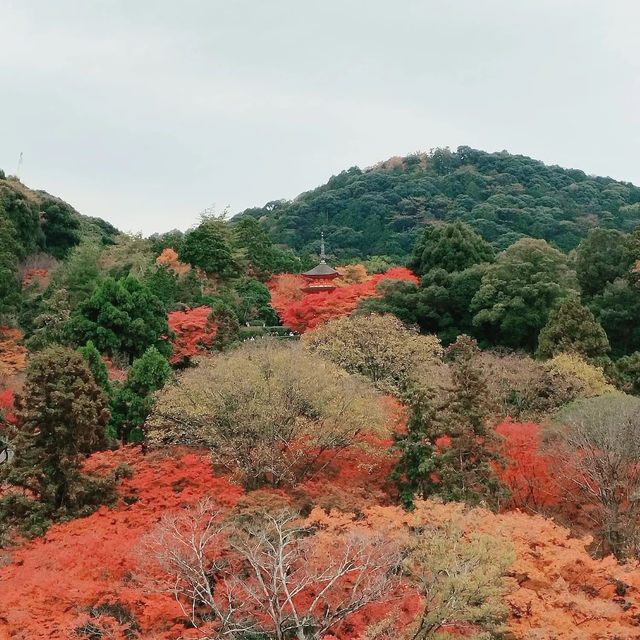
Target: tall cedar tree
464,467
572,328
121,317
414,471
61,419
133,401
617,309
9,283
447,449
97,366
253,241
61,227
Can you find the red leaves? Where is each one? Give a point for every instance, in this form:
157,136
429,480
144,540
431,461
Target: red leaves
557,590
52,582
6,405
194,331
309,310
36,274
528,473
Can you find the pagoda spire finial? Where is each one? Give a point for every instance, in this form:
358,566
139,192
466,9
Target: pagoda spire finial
323,256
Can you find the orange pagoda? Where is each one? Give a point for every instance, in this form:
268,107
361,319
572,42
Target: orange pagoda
321,277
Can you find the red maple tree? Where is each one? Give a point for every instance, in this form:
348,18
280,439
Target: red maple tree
195,331
301,312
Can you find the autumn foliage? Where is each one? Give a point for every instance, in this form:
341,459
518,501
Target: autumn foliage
528,472
42,275
12,353
194,331
301,312
169,258
93,573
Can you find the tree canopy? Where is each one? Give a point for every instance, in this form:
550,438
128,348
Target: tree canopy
503,197
259,405
519,290
121,316
451,246
572,328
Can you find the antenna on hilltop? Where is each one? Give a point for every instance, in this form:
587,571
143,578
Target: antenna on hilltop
19,168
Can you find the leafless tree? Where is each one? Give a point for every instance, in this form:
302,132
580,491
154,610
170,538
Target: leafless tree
272,572
596,443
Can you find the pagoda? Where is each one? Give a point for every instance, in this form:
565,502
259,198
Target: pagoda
321,277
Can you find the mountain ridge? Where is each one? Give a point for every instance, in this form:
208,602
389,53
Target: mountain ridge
503,196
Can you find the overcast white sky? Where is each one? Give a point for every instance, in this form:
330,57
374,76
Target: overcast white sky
145,112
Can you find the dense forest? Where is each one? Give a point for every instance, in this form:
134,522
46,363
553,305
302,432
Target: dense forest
504,197
445,445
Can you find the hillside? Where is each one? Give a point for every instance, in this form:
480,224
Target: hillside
45,223
502,196
198,442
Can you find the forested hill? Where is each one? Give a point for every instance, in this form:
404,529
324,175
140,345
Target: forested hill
502,196
35,221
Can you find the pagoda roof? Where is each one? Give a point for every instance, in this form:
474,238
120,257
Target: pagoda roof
323,269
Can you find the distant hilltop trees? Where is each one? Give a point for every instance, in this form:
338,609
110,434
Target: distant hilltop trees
504,197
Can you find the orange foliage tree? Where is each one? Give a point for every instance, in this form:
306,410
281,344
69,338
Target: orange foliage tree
528,473
31,275
12,353
306,311
194,329
169,259
82,575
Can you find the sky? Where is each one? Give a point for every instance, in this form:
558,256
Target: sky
147,112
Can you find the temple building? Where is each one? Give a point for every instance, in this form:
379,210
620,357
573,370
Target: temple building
321,277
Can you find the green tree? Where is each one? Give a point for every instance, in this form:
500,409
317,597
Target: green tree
130,254
601,258
254,303
400,298
228,327
255,245
208,247
448,450
261,257
24,214
572,328
617,309
453,246
628,373
132,403
518,291
61,419
9,282
49,325
96,365
172,289
121,317
465,466
414,471
161,241
80,273
60,226
440,305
